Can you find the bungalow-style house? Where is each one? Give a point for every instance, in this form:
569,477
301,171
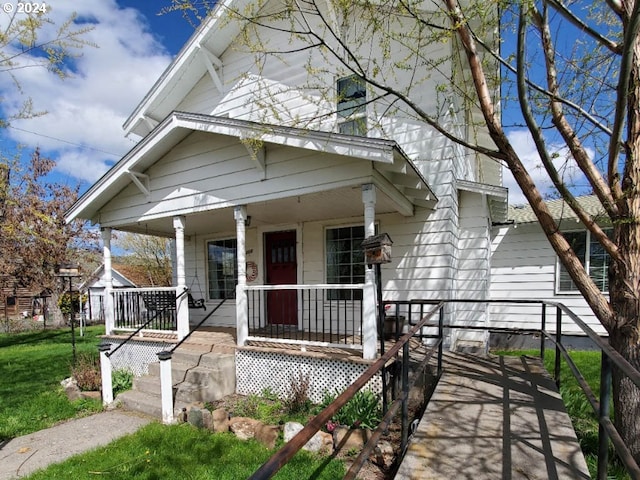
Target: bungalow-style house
94,289
523,265
268,211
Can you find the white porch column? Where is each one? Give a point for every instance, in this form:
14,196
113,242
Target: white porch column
182,304
109,314
369,326
242,312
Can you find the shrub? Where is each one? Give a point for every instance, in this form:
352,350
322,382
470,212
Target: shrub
122,380
87,372
297,400
363,410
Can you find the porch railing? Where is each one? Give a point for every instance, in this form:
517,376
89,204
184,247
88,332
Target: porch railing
155,307
315,315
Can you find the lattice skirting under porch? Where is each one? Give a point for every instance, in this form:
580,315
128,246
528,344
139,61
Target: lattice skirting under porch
136,355
258,370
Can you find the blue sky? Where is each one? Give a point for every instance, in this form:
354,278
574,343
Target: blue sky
82,130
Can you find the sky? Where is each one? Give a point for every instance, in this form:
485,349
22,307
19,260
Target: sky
82,127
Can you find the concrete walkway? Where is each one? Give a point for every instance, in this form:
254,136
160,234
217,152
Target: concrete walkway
494,418
24,455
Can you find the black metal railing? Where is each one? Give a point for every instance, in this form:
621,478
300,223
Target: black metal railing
418,317
316,314
155,308
147,323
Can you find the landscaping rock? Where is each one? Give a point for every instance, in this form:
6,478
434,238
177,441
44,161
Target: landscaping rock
267,435
71,388
383,454
347,439
320,442
220,419
244,428
195,417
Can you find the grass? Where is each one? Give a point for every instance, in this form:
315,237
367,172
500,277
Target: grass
31,367
31,398
578,407
182,451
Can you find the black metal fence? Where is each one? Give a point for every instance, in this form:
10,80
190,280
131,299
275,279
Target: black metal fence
313,314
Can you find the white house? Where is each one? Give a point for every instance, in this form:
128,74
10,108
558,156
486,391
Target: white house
524,266
94,287
268,192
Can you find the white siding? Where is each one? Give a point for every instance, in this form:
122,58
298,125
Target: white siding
523,266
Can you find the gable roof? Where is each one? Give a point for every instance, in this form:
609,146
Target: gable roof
201,54
179,125
559,209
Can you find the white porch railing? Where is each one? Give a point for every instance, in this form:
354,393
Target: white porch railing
133,307
327,315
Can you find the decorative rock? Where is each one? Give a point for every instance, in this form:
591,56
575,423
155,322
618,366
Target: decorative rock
71,388
267,435
346,439
195,417
243,427
383,454
320,442
220,419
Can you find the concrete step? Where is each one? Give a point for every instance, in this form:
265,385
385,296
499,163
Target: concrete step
137,401
196,377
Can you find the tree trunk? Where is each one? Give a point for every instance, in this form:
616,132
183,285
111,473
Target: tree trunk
626,396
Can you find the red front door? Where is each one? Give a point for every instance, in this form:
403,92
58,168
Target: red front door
281,268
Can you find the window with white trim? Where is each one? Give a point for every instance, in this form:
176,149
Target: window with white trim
344,260
592,255
222,268
352,105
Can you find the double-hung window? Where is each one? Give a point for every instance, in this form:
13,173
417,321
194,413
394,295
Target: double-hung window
345,260
222,268
592,255
352,105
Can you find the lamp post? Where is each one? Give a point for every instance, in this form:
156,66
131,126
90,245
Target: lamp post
70,271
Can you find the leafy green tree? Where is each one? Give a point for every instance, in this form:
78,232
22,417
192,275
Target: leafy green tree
150,254
567,72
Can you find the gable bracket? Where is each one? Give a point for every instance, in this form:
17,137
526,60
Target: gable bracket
141,181
212,63
257,152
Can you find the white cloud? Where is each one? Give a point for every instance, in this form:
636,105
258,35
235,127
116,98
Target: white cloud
88,108
525,148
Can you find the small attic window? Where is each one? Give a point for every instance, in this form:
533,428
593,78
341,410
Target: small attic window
352,105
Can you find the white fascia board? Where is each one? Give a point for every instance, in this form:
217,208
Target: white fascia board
209,33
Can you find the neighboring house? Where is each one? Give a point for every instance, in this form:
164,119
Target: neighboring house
524,266
272,215
94,288
19,301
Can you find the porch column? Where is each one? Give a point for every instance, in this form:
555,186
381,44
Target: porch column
369,325
182,304
109,314
242,312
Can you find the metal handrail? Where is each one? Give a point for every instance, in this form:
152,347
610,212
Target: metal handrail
282,456
600,407
140,328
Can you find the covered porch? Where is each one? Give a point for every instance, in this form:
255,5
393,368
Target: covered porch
267,224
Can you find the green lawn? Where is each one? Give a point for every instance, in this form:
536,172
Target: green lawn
31,367
182,451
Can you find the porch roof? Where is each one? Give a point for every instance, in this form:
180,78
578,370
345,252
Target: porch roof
394,173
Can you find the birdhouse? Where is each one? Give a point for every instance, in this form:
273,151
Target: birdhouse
377,249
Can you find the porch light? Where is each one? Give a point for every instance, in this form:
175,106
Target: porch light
377,249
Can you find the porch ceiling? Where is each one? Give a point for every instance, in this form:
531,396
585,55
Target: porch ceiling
340,203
